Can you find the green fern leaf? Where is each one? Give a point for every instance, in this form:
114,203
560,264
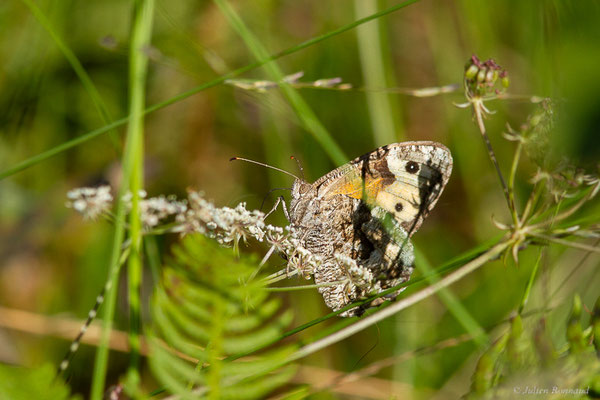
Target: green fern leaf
206,311
40,383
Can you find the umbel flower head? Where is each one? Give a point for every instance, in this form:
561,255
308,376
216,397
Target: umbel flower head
481,77
226,225
90,202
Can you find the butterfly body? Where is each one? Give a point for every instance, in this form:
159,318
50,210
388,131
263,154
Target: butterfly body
366,211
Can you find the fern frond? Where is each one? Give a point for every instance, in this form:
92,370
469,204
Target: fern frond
37,383
207,311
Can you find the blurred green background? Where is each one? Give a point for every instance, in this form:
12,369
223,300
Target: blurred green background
54,263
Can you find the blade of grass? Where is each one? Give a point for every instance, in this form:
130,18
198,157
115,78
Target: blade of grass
143,15
101,360
97,132
306,115
132,180
530,281
152,251
375,75
72,59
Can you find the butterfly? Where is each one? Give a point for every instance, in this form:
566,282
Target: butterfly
358,219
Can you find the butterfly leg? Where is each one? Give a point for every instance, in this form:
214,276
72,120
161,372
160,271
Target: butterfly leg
280,200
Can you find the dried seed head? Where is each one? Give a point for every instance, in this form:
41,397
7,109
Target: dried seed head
90,202
156,210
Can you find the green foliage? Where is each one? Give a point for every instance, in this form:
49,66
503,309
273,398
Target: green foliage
207,312
17,383
64,73
524,358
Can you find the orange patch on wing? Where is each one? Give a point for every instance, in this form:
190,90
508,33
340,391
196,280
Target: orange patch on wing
354,188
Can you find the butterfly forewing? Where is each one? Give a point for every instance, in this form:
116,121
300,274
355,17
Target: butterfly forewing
405,179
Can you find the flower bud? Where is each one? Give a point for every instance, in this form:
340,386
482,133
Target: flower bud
471,72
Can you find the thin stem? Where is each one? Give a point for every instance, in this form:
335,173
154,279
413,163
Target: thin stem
569,212
572,271
563,242
379,365
372,58
511,185
530,282
532,201
277,276
132,170
262,263
477,107
302,287
101,360
91,316
143,13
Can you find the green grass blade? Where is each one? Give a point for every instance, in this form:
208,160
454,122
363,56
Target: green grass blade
101,360
97,132
370,47
23,165
72,59
306,115
138,69
132,180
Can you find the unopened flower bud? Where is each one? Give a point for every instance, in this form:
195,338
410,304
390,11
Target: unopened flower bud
471,72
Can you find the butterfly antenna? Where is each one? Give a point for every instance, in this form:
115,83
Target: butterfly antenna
299,166
264,165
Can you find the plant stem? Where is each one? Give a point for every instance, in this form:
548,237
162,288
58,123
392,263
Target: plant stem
532,201
138,68
372,57
511,185
132,174
567,243
101,360
530,282
477,107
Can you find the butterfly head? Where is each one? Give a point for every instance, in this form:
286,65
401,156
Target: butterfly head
304,195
